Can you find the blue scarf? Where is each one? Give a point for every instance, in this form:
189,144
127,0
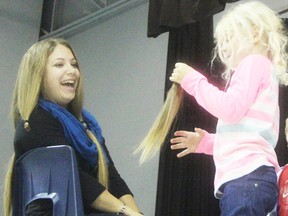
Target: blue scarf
75,131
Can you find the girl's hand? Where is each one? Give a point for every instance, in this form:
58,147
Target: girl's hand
186,140
179,72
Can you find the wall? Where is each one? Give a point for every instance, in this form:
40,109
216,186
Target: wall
19,24
124,88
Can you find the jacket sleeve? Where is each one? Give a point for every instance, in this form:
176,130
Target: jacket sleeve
117,186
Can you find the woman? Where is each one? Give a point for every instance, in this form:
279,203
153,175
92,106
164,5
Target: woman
48,110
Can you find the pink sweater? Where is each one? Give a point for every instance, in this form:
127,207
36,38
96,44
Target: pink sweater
248,119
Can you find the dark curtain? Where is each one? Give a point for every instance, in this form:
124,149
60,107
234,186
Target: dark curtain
168,14
281,148
185,185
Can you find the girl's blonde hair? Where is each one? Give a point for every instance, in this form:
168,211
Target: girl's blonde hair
27,91
245,22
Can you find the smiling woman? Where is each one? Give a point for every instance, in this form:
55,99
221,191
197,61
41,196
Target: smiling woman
48,110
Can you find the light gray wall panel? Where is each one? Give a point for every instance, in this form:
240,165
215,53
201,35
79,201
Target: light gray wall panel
124,88
19,29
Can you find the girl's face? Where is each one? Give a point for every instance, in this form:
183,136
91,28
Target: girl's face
233,51
234,46
61,78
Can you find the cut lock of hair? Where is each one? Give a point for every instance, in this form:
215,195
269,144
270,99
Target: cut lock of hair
155,138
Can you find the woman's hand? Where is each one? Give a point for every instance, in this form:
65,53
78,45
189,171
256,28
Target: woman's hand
179,72
186,140
130,212
131,206
106,202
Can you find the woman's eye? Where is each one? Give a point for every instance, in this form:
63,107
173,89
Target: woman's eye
75,65
58,65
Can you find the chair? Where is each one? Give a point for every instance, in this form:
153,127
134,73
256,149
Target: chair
281,208
48,173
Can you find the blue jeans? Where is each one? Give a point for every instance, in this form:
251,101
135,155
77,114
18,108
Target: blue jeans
253,194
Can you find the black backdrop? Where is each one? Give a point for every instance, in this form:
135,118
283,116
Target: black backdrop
185,186
281,148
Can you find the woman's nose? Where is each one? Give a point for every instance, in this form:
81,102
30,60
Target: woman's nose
71,69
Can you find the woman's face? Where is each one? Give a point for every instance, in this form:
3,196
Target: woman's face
61,77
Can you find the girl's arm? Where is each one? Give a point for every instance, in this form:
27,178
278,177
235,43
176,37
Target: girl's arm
252,74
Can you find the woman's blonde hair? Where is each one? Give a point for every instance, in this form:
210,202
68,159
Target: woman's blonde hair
27,91
245,22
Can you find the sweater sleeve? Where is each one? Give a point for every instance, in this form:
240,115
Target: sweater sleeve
230,106
206,144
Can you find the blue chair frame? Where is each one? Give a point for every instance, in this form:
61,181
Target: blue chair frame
48,173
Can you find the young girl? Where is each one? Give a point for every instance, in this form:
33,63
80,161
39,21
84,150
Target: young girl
250,41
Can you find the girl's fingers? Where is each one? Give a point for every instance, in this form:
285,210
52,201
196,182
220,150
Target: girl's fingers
183,153
179,64
179,146
181,133
177,140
